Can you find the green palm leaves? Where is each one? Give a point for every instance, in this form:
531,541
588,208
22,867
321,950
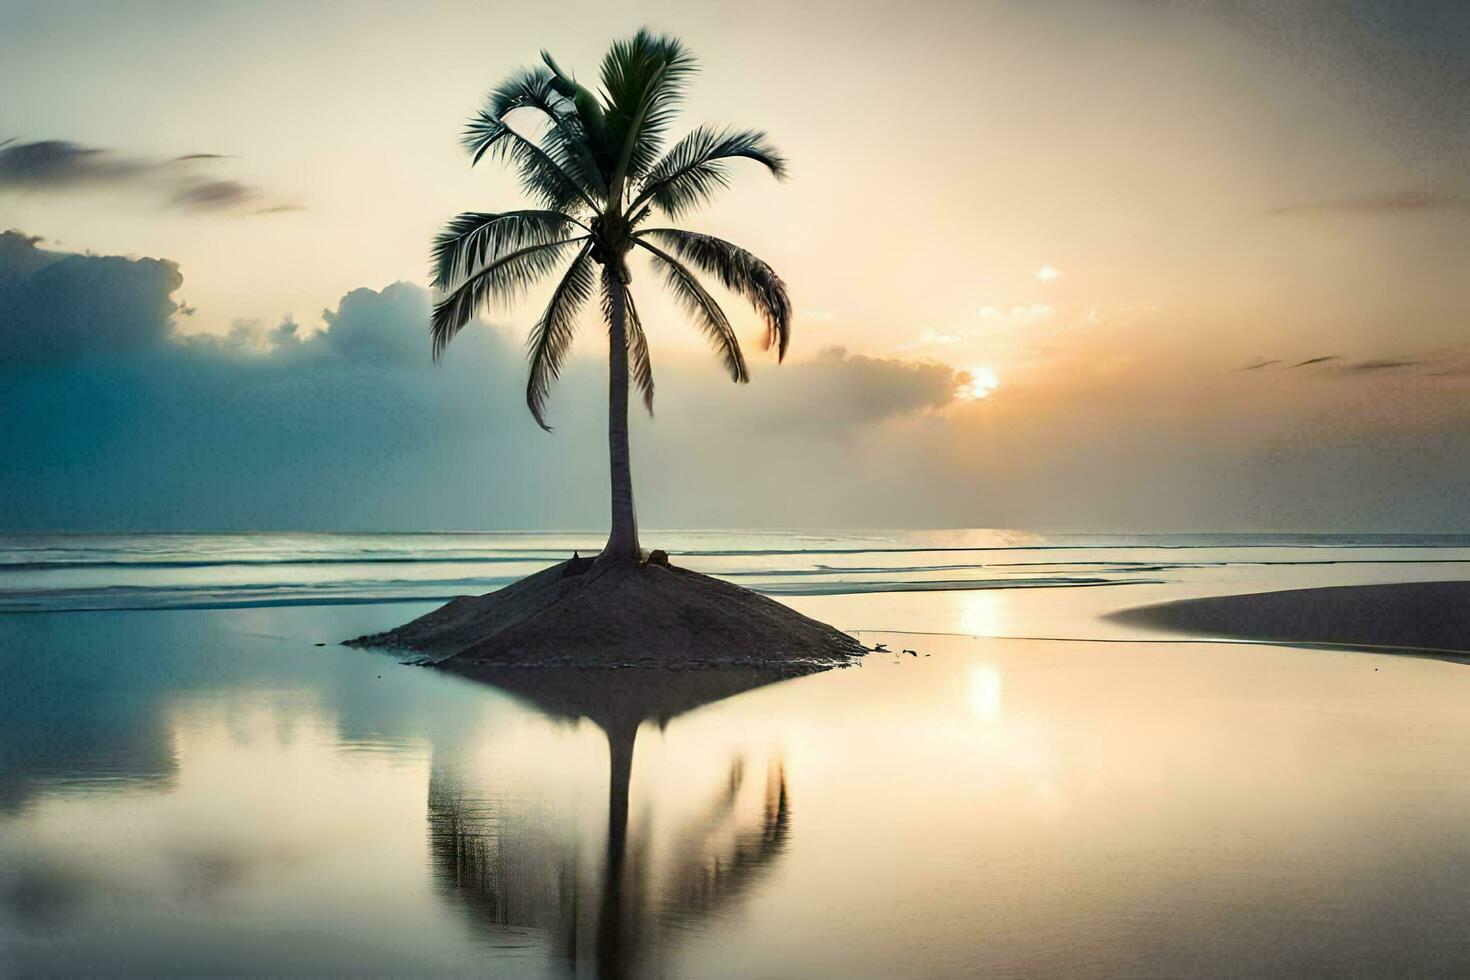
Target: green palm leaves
738,271
697,167
553,334
473,238
595,164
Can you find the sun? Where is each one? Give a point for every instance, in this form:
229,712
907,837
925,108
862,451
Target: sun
977,383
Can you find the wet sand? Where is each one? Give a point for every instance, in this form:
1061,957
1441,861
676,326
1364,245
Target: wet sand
1414,617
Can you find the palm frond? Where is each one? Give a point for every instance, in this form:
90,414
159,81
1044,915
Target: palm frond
697,167
529,88
503,279
566,140
541,175
643,82
740,272
551,338
701,306
588,108
473,238
587,156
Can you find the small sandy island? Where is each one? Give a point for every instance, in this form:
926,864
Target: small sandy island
1427,618
652,615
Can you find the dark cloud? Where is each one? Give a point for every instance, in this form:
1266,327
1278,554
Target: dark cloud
110,418
215,195
21,256
388,327
1380,364
1438,363
58,307
59,166
1389,202
124,423
268,427
839,392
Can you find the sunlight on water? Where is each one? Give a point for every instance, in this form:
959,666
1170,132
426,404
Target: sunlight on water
981,613
986,690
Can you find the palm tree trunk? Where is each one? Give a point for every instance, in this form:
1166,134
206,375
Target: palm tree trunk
622,542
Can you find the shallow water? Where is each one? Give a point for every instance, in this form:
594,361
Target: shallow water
206,791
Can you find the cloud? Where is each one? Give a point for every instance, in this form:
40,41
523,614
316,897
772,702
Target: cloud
1048,274
110,418
214,195
1001,329
58,307
1380,364
1032,313
1438,363
61,166
267,427
1022,313
1386,202
21,255
113,419
931,338
388,327
838,392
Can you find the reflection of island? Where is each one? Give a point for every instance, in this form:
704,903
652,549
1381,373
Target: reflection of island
510,874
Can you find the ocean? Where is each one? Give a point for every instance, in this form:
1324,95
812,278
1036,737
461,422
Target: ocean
47,573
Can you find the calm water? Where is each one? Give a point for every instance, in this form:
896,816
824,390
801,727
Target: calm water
194,786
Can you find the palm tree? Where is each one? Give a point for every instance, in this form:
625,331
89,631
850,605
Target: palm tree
596,167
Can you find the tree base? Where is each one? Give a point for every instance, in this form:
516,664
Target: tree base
584,614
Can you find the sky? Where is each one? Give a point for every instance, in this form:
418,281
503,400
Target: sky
1058,265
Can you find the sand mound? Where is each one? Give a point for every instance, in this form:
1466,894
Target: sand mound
650,615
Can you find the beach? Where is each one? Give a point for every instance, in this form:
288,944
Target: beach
1021,783
1428,618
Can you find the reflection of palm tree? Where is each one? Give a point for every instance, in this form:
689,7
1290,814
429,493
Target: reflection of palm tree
508,872
532,884
714,865
715,873
598,170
